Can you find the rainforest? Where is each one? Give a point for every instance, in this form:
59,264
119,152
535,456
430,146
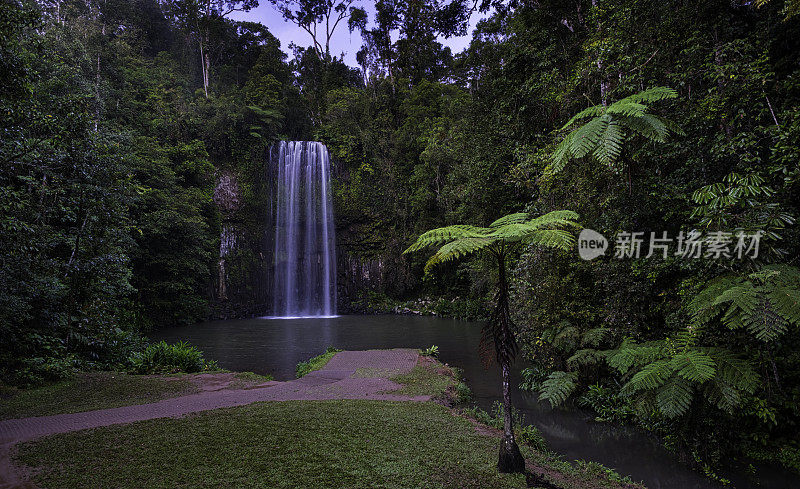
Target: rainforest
594,201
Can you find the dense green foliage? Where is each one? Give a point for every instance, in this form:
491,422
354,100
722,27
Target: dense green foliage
161,357
109,153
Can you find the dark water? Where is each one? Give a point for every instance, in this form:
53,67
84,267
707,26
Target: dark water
275,346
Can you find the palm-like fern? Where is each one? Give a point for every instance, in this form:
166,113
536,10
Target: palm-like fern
765,303
666,376
604,135
551,230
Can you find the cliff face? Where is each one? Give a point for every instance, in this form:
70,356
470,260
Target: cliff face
242,287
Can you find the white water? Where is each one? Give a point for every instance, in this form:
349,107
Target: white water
305,259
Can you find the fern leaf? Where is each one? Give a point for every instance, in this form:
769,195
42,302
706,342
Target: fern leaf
516,218
585,357
630,355
694,365
651,95
609,147
439,236
587,136
786,301
628,109
558,387
594,337
552,238
593,111
765,323
652,376
458,249
675,397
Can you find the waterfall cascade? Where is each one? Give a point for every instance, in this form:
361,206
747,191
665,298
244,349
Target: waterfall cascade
305,249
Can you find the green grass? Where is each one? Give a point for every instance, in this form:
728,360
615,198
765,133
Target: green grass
88,391
423,380
353,444
315,363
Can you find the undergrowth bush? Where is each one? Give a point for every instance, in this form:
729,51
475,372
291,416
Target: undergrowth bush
164,358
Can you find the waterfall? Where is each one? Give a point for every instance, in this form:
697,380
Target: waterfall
305,264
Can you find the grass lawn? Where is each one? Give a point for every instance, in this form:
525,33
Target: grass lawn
300,444
95,390
102,390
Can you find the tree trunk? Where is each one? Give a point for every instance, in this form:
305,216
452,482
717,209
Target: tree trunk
510,459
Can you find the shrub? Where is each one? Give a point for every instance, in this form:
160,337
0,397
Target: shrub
431,351
463,393
531,436
163,358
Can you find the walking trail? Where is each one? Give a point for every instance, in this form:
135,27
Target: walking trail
348,375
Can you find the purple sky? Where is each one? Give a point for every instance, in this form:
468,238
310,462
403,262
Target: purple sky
342,40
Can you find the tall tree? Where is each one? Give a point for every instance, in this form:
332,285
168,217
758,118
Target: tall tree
199,18
320,18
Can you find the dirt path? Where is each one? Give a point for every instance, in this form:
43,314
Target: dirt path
348,375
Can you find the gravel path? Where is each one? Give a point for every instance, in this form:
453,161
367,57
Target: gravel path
348,375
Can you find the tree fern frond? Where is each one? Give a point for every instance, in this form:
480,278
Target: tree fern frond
457,249
561,155
587,356
553,219
558,387
566,338
694,365
675,397
765,323
652,376
515,218
587,136
651,95
594,111
603,136
630,355
722,394
627,109
734,370
594,337
439,236
552,238
609,147
787,302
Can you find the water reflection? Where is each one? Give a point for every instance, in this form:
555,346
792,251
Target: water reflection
275,346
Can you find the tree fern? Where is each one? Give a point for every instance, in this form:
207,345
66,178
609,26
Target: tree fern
552,230
605,134
630,355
